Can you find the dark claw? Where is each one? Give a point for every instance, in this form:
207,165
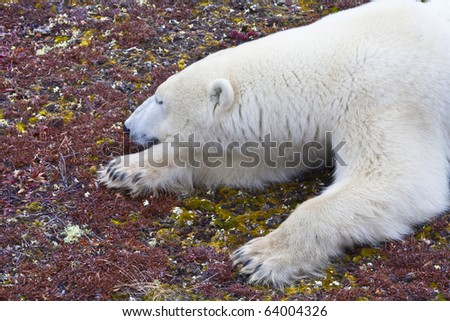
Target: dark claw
136,178
123,176
247,263
115,176
108,170
112,174
258,268
237,255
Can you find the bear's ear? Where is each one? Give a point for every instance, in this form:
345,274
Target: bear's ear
221,94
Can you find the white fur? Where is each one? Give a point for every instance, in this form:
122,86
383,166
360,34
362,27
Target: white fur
377,76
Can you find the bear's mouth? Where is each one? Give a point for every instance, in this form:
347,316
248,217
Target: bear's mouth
144,143
147,143
141,142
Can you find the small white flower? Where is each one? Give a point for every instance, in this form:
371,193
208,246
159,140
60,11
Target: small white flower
42,51
177,211
145,203
152,242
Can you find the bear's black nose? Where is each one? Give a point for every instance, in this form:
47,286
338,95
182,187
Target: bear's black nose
126,129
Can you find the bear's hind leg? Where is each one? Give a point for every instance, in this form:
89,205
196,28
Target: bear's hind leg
397,176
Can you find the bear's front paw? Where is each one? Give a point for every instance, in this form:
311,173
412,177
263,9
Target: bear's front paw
274,260
127,178
129,173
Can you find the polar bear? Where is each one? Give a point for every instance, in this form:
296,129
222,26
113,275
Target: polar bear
374,79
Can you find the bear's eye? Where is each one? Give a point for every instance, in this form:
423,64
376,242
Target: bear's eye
158,101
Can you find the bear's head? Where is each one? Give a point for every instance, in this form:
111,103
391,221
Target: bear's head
189,102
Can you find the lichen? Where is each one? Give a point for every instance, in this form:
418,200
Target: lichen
72,233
